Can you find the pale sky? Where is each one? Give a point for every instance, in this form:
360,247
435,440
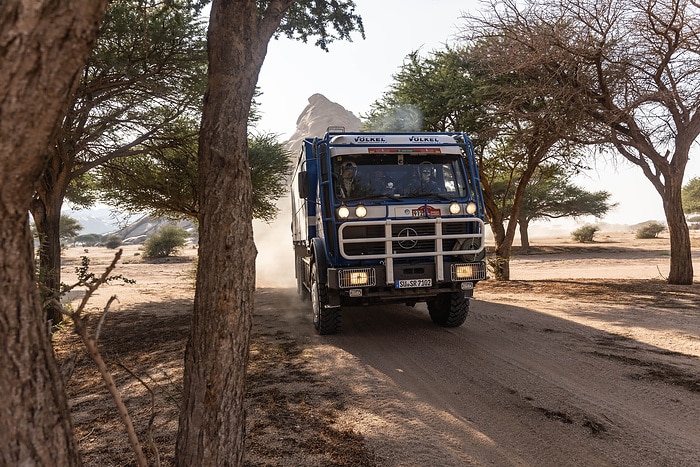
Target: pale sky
355,74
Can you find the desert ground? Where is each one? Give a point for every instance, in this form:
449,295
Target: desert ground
587,357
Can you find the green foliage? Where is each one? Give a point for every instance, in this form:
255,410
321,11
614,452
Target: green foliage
270,166
145,75
165,242
164,182
112,242
68,227
327,20
584,234
690,195
549,195
434,93
82,190
650,230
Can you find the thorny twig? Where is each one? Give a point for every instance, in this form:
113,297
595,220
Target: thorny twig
151,420
80,326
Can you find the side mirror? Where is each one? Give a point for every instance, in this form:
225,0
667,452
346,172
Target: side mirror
303,184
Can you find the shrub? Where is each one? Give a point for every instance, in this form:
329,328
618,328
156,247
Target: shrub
165,242
113,241
91,239
584,234
650,230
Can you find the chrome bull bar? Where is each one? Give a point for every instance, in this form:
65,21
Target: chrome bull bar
464,242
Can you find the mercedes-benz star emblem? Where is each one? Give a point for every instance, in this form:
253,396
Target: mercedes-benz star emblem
408,233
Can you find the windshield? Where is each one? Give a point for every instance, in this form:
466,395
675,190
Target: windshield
398,176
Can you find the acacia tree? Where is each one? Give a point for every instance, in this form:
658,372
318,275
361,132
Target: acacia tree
439,92
43,46
146,73
69,228
528,138
550,195
631,71
513,136
211,420
164,181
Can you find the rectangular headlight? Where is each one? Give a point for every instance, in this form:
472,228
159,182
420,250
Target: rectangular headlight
463,271
468,271
356,278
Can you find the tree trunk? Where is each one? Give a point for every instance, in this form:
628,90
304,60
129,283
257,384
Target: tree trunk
524,236
498,264
211,430
35,427
681,267
43,46
46,212
504,236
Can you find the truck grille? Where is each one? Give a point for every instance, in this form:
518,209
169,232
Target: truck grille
409,238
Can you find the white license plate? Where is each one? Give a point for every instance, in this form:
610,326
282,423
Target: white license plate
412,283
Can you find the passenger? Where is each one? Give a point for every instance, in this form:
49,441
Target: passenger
347,186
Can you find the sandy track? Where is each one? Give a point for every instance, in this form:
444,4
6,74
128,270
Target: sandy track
514,386
546,371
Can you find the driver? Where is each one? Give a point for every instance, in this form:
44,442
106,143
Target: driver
426,183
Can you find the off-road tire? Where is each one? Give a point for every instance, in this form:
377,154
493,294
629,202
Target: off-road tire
326,320
449,309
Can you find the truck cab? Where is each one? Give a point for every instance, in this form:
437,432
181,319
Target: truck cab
387,218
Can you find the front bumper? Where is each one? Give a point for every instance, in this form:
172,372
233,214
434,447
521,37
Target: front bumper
370,283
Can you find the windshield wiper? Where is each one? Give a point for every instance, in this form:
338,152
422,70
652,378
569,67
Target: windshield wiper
384,195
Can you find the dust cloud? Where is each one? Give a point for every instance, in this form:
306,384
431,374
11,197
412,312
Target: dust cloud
275,262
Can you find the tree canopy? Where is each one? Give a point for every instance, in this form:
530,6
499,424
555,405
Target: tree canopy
439,92
551,195
145,75
627,72
69,227
513,133
164,181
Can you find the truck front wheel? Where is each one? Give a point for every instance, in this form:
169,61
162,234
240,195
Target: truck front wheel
449,309
326,320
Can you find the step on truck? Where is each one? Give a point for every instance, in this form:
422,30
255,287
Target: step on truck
387,218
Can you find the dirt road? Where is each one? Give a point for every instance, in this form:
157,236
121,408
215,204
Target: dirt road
516,385
548,371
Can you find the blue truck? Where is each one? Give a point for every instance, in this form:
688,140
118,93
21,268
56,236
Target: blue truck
387,218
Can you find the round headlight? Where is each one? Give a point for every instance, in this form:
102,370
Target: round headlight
455,208
360,211
343,212
471,208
